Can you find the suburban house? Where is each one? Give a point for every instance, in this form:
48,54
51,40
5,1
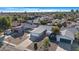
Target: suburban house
7,32
15,24
36,21
17,29
77,27
1,38
77,23
26,26
38,34
66,37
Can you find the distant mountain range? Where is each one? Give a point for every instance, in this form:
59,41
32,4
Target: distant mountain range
36,9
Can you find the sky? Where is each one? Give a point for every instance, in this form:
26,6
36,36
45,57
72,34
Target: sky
36,9
38,3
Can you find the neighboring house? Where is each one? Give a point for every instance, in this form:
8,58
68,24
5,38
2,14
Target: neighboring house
73,24
38,34
7,32
15,24
26,26
36,21
48,28
77,27
1,38
17,29
77,23
77,19
66,37
73,30
29,21
56,20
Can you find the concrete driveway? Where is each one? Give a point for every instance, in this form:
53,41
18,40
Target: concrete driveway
63,47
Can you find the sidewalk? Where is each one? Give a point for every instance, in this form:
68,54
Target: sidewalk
10,43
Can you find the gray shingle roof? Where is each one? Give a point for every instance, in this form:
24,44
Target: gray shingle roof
39,30
67,33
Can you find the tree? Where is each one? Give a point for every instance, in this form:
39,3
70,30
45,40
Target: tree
72,11
57,24
46,43
64,24
71,18
5,23
77,37
77,11
43,22
15,18
59,16
35,46
1,30
9,22
56,29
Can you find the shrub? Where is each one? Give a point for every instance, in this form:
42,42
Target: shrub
35,46
46,43
56,29
43,22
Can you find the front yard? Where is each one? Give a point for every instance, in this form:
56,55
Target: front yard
52,47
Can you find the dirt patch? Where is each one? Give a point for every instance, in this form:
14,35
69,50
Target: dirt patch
18,40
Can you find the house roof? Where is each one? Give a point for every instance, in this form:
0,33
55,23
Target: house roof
73,30
15,23
36,20
26,25
67,33
17,28
42,28
1,38
39,30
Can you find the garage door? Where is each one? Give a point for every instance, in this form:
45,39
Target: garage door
65,40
